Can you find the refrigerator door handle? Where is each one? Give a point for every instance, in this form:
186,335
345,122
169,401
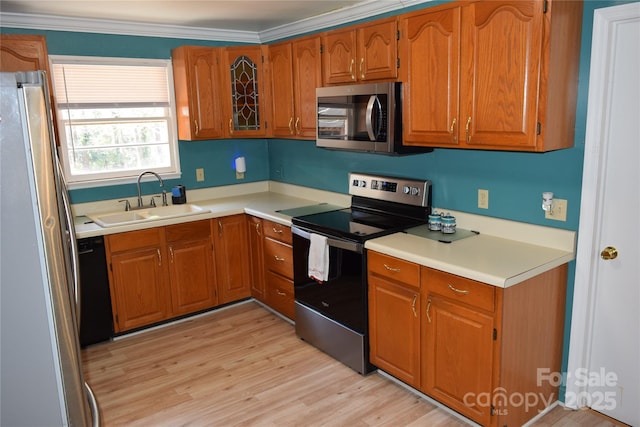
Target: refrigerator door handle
93,404
73,243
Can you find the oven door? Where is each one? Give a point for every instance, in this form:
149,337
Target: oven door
343,297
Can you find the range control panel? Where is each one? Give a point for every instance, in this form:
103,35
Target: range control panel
392,189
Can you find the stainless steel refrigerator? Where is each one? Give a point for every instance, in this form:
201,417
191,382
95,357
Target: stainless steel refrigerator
42,383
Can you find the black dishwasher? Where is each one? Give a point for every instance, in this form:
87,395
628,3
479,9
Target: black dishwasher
96,322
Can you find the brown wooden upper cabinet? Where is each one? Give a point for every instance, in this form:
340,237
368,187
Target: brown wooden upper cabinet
491,75
196,76
296,72
25,52
361,53
245,109
219,92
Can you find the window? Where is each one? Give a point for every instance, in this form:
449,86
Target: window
116,119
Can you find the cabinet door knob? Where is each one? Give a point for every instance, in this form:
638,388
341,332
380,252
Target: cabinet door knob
609,253
230,126
291,125
353,62
427,312
466,129
362,68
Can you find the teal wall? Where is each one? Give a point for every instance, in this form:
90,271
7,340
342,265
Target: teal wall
515,180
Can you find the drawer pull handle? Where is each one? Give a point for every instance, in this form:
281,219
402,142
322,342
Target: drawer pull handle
394,269
428,310
413,306
277,258
277,230
171,252
159,257
460,291
282,294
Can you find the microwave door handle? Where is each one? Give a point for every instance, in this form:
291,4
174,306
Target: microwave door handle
369,118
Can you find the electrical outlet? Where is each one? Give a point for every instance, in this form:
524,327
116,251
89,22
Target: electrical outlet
483,199
558,210
200,174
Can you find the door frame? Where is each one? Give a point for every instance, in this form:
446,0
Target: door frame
591,207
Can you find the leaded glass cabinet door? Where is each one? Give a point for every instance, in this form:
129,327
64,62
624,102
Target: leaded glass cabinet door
246,115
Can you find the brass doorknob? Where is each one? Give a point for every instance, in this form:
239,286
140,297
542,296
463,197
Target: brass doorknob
609,253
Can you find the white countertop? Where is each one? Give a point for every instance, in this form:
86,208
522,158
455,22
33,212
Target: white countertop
488,259
257,200
503,254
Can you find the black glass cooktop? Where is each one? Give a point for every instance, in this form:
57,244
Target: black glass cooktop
355,224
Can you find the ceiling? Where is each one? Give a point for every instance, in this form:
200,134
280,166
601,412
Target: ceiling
240,15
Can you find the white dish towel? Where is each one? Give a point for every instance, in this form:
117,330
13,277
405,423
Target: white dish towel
318,258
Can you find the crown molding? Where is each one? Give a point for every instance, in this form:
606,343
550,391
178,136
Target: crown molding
127,28
104,26
338,17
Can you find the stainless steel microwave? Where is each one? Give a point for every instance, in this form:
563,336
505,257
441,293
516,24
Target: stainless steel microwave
361,117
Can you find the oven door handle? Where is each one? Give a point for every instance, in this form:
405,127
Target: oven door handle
336,243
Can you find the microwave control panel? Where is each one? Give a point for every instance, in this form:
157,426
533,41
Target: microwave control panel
392,189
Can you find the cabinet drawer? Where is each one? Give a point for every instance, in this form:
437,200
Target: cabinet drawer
394,268
280,294
134,239
278,257
188,231
277,231
458,288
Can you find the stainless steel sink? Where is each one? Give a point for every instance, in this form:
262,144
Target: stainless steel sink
114,219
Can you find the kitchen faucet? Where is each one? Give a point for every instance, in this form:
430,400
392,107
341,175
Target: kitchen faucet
164,192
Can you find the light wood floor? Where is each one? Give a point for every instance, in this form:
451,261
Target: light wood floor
244,366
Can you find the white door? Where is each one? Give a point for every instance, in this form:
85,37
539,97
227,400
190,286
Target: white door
604,356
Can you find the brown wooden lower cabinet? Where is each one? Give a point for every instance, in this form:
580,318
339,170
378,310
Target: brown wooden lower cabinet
160,273
232,257
256,256
164,272
481,347
191,269
276,265
394,318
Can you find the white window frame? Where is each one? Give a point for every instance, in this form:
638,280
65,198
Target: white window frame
118,177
